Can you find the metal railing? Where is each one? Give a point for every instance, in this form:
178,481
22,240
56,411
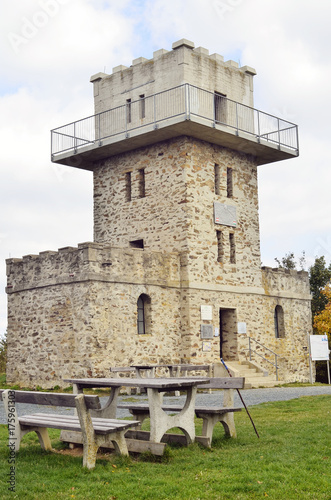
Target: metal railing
186,101
275,364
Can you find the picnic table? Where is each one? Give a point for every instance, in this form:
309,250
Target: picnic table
160,421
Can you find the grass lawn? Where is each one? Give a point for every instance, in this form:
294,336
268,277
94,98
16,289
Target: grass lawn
291,460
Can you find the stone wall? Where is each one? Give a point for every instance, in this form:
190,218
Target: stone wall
74,313
177,210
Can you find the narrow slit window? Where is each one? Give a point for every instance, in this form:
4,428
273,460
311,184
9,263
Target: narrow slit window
229,182
142,106
232,248
143,314
141,177
217,178
279,322
220,246
128,110
128,186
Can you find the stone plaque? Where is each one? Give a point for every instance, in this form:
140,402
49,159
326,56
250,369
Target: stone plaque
226,215
207,331
206,312
206,346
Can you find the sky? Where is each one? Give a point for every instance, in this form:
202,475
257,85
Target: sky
50,48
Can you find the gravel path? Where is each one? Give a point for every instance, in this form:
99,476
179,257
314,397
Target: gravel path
250,396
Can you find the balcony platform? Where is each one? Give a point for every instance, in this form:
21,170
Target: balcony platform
75,144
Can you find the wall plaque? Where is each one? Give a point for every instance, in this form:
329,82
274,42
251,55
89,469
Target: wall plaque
206,346
226,215
241,327
206,312
207,331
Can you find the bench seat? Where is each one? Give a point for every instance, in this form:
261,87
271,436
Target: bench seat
71,423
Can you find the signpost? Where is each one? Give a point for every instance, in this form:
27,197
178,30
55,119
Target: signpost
319,350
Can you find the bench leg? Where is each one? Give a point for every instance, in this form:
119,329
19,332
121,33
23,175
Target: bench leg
228,423
139,415
209,422
161,421
118,440
90,450
43,436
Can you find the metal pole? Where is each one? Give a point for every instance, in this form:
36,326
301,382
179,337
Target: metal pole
309,357
241,399
237,118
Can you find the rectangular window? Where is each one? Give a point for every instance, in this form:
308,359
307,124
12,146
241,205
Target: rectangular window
142,106
220,247
220,107
232,249
128,110
217,178
128,186
141,177
229,183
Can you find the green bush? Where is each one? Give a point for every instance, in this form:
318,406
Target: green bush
3,353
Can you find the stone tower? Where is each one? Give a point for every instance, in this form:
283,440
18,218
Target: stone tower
174,272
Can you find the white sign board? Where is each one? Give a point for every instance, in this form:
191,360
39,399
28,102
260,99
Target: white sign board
319,347
207,312
241,326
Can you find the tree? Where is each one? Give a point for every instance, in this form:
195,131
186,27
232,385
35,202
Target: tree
319,277
289,261
322,320
3,353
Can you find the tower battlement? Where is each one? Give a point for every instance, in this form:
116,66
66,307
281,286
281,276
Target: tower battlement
168,69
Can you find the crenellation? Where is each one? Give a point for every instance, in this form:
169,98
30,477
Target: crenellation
159,53
201,50
119,68
231,63
139,60
217,58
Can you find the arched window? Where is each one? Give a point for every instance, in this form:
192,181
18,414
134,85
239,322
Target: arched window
279,322
143,314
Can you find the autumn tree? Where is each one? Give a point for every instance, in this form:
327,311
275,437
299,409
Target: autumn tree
322,320
319,278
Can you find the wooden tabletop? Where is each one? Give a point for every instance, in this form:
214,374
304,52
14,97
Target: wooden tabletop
156,383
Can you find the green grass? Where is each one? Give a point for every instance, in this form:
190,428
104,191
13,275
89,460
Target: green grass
291,460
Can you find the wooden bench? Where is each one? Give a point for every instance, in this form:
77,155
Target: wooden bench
96,432
210,415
